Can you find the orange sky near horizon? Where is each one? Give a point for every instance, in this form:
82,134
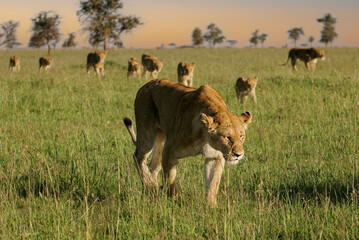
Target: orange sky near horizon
173,21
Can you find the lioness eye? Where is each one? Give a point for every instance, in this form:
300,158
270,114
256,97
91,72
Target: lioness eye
241,137
229,138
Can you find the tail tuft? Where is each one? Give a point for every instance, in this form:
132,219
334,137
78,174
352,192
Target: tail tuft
127,121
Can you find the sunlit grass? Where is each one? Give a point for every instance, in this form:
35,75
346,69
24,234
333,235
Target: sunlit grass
66,168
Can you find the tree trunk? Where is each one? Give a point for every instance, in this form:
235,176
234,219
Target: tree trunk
48,48
105,43
326,44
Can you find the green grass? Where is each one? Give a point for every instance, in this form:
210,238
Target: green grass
66,168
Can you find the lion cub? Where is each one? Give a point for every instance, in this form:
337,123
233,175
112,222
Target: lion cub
151,65
134,68
45,63
185,73
14,64
97,61
245,87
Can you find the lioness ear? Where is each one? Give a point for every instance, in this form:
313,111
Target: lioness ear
207,121
245,118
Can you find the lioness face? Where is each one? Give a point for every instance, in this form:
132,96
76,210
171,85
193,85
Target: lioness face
227,134
320,54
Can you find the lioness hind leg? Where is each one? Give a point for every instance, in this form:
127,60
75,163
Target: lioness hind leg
155,164
213,169
169,166
294,61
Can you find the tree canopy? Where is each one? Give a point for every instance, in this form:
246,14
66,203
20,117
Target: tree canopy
197,38
294,34
101,18
328,33
45,30
214,35
9,32
70,41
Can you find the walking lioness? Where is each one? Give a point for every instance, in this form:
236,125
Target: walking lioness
134,68
245,87
307,55
151,65
185,73
97,61
174,121
45,63
14,63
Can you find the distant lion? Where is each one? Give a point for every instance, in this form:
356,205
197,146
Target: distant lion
245,87
97,61
14,64
134,68
45,63
185,73
173,122
151,65
307,55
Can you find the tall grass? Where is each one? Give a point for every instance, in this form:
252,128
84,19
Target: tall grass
66,168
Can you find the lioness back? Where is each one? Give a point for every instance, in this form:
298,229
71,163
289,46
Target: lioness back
185,73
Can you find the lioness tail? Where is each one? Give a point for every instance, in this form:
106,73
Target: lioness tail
128,122
286,61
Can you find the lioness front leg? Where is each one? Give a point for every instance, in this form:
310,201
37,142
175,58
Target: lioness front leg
213,169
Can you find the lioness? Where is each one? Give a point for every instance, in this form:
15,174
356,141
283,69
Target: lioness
307,55
97,61
151,65
245,87
174,121
134,68
14,63
185,73
45,63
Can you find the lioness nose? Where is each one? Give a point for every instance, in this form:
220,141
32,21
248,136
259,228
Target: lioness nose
237,155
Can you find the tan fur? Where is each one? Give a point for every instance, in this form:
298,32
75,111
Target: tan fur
174,121
14,64
134,68
185,73
308,55
151,65
245,87
97,61
45,63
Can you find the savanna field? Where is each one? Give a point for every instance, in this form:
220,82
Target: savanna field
66,167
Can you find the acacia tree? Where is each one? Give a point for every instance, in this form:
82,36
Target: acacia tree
70,42
101,18
197,38
9,29
294,34
45,30
214,35
311,40
262,38
232,42
255,38
328,32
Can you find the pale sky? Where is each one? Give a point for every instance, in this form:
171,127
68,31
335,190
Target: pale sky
172,21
